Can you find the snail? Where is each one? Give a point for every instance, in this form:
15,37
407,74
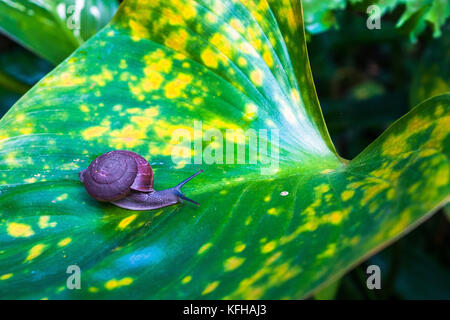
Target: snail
125,179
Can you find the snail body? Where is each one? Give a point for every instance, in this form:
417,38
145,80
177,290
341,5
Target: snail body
125,179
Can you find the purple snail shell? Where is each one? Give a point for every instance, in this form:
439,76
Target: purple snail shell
125,179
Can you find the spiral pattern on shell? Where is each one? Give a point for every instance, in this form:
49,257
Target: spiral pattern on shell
113,175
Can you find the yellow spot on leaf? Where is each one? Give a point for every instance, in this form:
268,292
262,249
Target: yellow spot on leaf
126,221
221,43
233,263
329,251
188,11
6,276
177,40
257,77
114,284
152,82
25,130
336,217
442,177
123,64
322,188
186,279
390,194
372,191
267,56
295,95
204,248
210,287
394,145
427,152
137,31
101,78
242,62
239,247
128,137
35,251
62,197
44,222
402,224
347,194
64,242
197,101
439,110
211,17
93,132
268,247
174,88
237,25
17,230
209,58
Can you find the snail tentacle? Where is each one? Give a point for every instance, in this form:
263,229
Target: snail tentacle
156,199
177,188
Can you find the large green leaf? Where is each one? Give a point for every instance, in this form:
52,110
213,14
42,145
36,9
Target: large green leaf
159,66
53,28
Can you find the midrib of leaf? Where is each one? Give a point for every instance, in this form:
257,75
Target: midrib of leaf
304,125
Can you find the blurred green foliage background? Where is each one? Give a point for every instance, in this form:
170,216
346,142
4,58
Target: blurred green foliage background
365,80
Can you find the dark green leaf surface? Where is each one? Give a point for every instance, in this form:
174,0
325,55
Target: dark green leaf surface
53,28
329,292
158,67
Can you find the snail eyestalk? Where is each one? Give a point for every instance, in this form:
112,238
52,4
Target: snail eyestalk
177,188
